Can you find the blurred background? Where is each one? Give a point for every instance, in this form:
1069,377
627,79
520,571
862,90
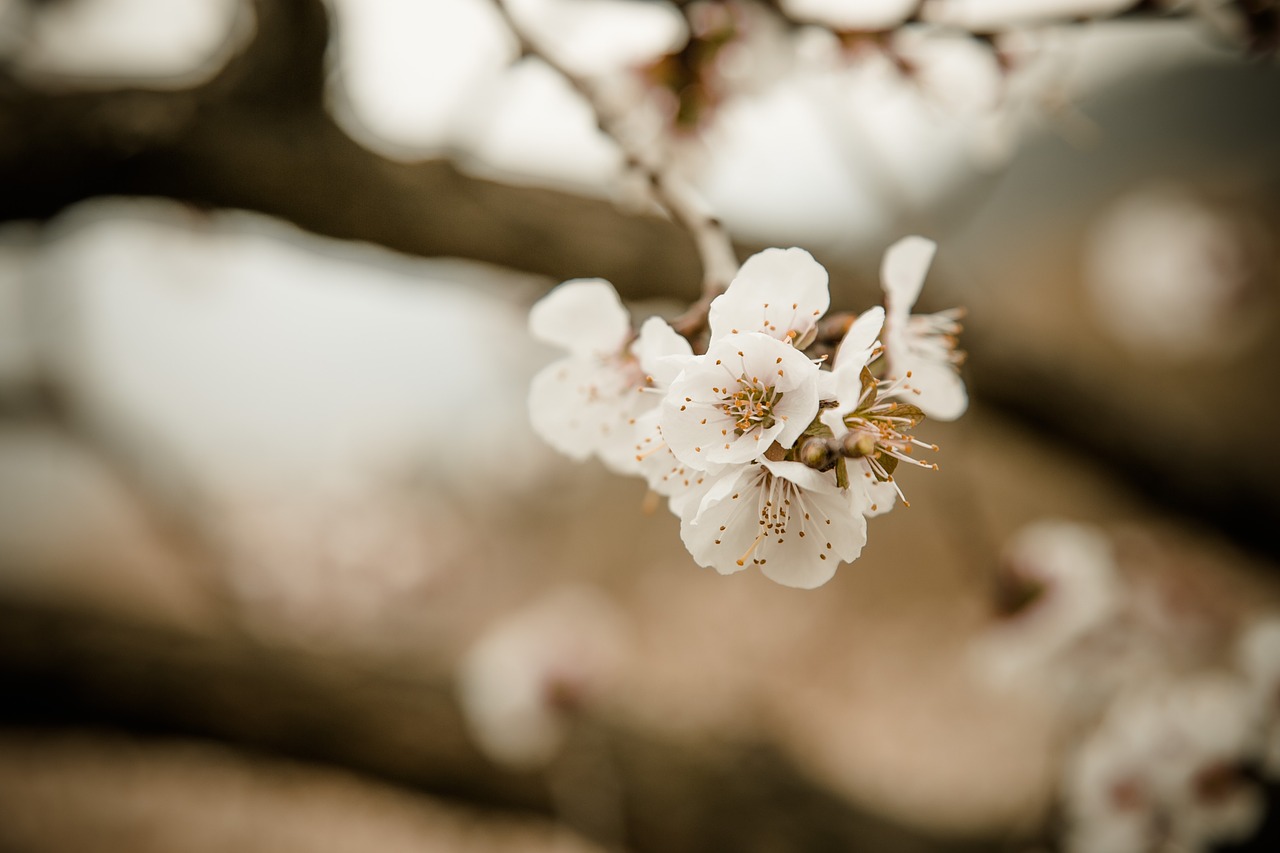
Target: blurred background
282,566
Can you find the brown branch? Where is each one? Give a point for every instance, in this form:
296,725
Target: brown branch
59,668
257,137
715,248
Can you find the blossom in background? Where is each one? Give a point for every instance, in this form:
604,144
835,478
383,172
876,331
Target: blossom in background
521,682
1173,277
1258,657
1059,599
1162,771
923,346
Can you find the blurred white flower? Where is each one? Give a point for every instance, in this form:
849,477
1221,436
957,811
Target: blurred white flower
923,346
521,682
169,43
778,292
747,392
1162,771
1259,660
985,15
1170,276
791,521
584,404
1062,595
865,15
602,36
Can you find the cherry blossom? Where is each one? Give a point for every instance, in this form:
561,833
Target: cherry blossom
778,292
1161,772
846,388
523,679
1259,659
667,475
754,420
581,405
749,391
587,403
791,521
922,345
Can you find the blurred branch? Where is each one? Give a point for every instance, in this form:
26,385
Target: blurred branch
258,137
715,249
59,668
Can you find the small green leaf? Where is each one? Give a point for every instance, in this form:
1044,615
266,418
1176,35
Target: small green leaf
906,410
868,389
888,463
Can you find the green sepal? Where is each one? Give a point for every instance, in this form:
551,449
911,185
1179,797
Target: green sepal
906,410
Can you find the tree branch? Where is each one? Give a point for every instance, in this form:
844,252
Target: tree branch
257,137
59,668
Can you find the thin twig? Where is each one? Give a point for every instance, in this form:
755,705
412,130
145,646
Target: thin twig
681,202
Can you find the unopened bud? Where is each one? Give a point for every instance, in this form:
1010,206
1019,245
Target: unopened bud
817,454
857,444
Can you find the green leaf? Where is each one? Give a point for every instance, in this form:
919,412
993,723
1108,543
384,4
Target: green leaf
906,410
888,463
868,382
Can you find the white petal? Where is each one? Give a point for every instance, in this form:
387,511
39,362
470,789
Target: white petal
577,405
792,522
857,15
694,421
777,291
834,421
942,392
902,273
662,351
722,526
875,497
860,340
835,530
666,474
584,316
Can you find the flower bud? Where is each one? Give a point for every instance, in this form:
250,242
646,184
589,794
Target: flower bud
817,453
857,444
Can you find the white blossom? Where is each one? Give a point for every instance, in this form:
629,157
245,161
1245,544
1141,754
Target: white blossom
587,403
665,474
983,15
921,345
581,405
747,392
846,389
1259,659
1066,589
1172,277
778,292
1162,769
521,681
791,521
865,15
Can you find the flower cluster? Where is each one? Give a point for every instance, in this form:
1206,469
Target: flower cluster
770,456
1174,702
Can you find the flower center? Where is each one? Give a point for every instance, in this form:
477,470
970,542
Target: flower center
751,405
